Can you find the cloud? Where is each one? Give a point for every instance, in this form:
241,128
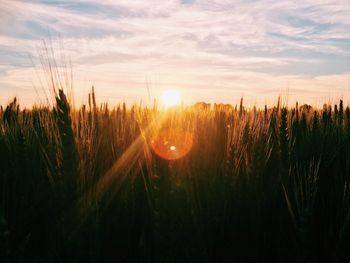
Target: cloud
210,48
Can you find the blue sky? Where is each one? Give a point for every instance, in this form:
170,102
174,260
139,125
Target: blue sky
216,50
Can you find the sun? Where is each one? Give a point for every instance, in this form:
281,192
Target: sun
171,97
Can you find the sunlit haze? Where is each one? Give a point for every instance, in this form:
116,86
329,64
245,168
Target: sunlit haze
171,98
215,51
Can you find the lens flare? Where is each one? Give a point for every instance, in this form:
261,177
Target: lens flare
172,143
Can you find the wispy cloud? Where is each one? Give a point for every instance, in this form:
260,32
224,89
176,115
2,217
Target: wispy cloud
216,50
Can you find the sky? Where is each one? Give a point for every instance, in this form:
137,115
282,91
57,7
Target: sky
213,51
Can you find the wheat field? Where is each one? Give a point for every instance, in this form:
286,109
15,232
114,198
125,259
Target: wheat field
249,185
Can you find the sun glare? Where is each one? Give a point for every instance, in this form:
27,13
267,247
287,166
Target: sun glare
171,98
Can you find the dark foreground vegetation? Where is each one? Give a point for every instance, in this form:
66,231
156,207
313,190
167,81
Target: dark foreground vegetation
268,185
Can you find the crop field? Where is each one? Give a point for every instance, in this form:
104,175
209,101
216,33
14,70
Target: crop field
185,184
